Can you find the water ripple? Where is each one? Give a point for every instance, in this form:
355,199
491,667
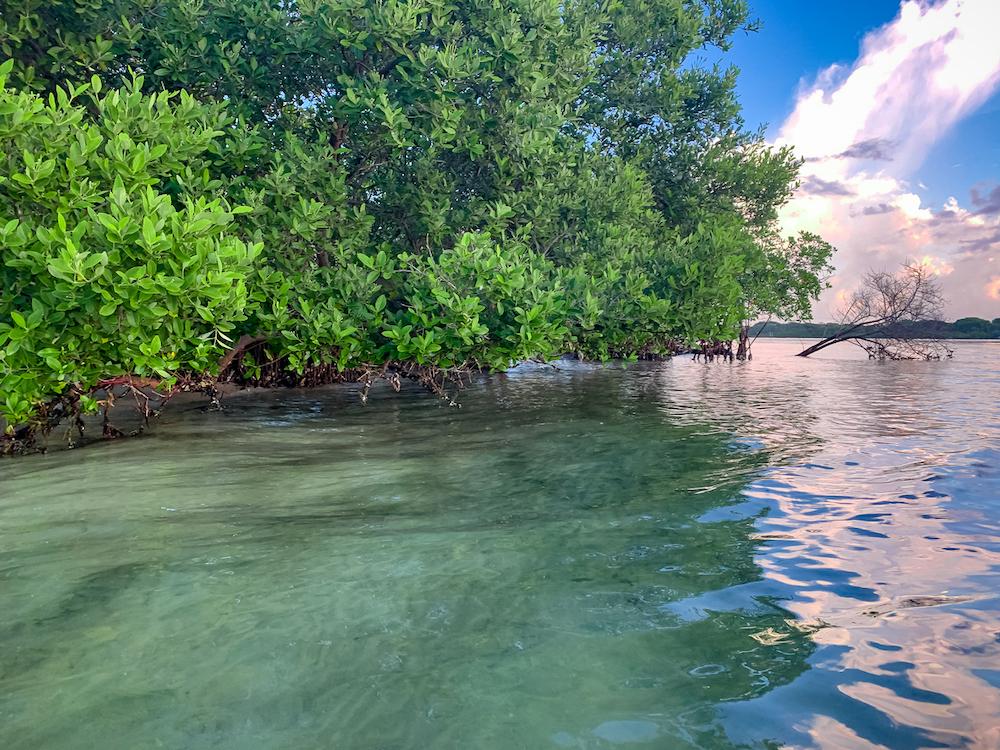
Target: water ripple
783,552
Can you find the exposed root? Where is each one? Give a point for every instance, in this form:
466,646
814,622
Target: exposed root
709,350
26,438
434,379
655,351
148,396
250,364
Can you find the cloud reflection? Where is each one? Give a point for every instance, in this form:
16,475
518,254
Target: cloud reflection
880,536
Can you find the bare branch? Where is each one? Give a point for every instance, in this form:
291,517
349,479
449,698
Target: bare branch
877,315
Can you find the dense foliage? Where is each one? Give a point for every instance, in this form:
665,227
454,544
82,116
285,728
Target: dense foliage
273,191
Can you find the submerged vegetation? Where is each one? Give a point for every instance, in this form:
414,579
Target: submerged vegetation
267,192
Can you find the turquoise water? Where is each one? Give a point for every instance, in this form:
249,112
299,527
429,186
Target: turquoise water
779,553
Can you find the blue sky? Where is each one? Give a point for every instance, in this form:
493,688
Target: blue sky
796,41
968,155
926,90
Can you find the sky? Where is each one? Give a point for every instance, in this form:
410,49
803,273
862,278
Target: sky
895,107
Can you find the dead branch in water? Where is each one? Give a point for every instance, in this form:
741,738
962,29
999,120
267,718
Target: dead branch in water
875,316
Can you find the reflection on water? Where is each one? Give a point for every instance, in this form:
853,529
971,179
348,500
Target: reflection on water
882,540
784,552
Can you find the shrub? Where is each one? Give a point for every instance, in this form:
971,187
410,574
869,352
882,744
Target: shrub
111,264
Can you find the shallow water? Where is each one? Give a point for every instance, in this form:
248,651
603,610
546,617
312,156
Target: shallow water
783,552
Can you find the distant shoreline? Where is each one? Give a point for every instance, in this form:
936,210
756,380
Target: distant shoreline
964,328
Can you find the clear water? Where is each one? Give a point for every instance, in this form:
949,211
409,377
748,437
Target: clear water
784,552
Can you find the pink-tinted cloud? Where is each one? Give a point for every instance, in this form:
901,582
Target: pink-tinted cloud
993,288
863,131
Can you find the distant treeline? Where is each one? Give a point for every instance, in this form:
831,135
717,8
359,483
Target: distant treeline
963,328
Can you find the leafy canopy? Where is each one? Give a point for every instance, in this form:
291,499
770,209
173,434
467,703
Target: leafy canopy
350,184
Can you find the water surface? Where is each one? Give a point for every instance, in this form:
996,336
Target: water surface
777,553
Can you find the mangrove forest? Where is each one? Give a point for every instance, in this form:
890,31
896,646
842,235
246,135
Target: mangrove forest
255,192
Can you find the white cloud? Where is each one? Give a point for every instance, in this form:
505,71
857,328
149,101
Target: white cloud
993,287
864,129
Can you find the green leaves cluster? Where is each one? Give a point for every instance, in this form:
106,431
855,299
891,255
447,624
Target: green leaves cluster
105,271
448,184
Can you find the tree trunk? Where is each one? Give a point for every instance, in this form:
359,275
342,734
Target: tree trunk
829,341
847,334
743,350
